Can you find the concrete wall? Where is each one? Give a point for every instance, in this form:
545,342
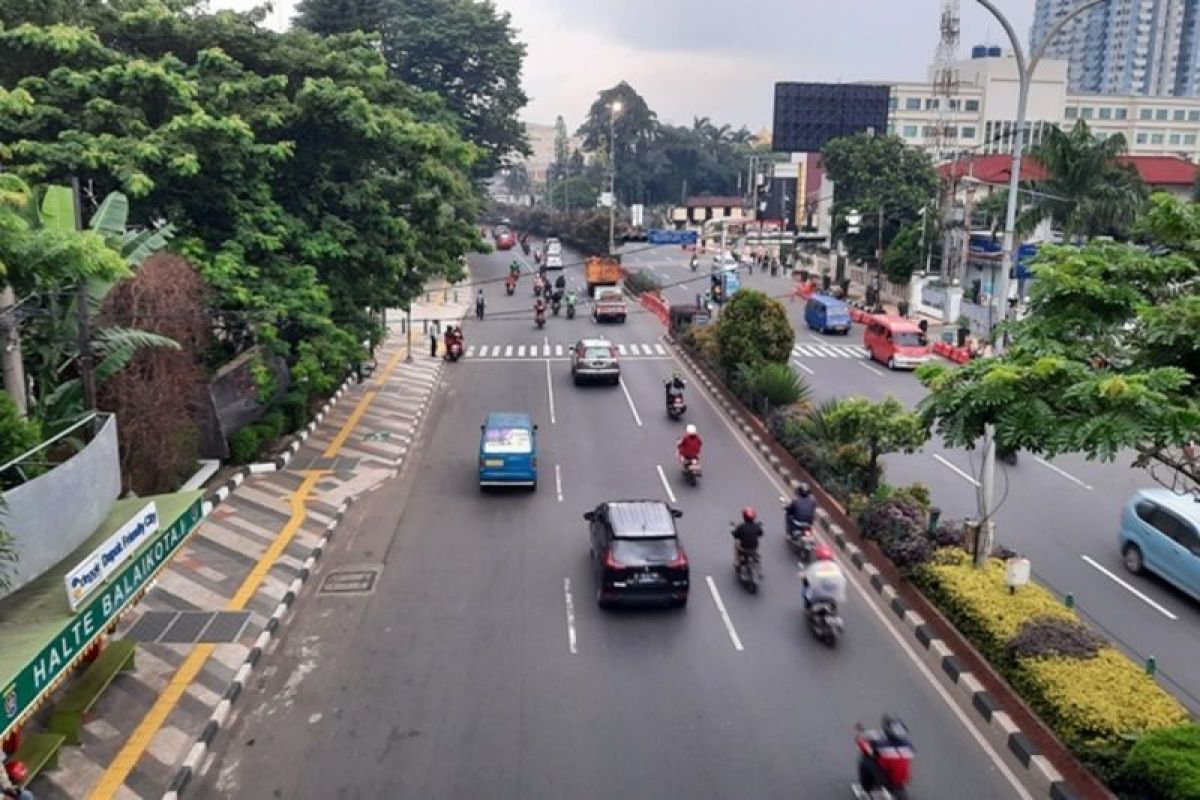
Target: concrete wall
52,514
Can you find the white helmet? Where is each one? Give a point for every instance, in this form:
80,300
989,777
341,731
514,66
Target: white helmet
690,429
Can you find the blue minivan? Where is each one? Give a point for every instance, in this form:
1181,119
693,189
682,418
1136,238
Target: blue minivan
827,314
1160,532
508,451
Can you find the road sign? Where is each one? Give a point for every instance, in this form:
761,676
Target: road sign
663,236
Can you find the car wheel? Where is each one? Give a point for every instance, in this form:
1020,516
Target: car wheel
891,364
679,602
575,378
621,319
1131,554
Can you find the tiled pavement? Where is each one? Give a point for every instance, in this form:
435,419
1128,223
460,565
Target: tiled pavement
219,557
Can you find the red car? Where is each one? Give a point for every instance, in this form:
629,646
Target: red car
506,240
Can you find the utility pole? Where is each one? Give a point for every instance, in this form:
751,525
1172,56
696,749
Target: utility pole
10,354
87,367
614,108
987,488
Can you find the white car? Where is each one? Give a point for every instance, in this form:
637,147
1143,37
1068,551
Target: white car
723,261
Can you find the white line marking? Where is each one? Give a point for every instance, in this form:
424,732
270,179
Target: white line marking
869,368
571,646
483,351
662,351
470,351
558,351
856,581
621,349
507,350
521,351
804,367
558,481
826,350
545,351
629,397
805,350
937,457
1131,589
662,476
550,394
716,596
1062,472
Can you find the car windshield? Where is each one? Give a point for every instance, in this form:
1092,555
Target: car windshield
597,353
640,552
554,248
609,296
507,440
911,339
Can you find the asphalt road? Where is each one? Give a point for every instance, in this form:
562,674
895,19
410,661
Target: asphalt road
480,666
1062,514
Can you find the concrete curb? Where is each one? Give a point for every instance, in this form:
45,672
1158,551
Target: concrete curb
1018,750
220,714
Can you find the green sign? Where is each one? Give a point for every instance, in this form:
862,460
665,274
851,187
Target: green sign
79,633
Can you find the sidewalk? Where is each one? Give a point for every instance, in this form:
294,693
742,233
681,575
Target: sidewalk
248,558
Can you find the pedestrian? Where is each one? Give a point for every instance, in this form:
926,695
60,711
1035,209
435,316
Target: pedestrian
433,338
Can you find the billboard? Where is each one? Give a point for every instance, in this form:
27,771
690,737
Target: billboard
807,115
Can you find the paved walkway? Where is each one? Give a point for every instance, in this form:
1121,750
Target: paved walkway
244,557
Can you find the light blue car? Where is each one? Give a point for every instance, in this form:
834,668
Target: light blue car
1160,532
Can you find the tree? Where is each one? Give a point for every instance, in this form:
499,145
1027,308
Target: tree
465,51
1106,362
871,173
753,329
880,428
909,251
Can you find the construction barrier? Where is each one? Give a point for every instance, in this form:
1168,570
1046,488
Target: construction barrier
804,290
959,355
657,306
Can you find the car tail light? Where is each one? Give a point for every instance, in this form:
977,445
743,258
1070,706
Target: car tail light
610,562
680,560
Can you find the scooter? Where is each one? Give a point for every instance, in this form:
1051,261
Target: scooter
676,406
454,351
824,622
800,537
510,287
539,319
691,470
571,306
748,568
525,248
880,786
556,302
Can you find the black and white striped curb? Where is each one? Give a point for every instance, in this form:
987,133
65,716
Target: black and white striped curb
1018,750
191,764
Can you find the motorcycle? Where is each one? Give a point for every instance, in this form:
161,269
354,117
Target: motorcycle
525,248
454,350
539,319
880,784
510,286
695,263
748,568
691,470
675,405
800,537
571,306
824,622
556,302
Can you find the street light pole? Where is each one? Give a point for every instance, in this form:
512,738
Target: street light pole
614,108
986,491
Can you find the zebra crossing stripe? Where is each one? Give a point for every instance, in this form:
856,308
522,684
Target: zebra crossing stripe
621,349
470,351
508,351
483,351
558,351
662,351
545,351
521,351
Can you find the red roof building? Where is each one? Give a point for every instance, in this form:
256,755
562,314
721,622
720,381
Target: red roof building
1167,173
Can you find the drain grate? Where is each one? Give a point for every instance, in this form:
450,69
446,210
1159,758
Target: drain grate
359,580
189,627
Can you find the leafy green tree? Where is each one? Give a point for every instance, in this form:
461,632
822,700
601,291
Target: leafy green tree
904,255
873,173
753,329
1107,360
879,428
465,51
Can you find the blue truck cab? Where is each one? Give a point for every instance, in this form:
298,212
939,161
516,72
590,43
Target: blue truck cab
827,314
508,451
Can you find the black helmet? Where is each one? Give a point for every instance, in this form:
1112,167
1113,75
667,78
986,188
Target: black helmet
803,490
893,728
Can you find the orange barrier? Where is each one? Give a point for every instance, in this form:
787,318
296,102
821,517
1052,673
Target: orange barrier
804,290
657,306
959,355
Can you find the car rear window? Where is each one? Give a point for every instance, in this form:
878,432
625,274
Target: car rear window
911,339
507,440
640,552
597,353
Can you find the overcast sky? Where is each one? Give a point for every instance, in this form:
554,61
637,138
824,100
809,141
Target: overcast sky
719,58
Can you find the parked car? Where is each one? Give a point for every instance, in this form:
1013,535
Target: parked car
827,314
1160,532
595,360
897,342
508,451
636,553
609,304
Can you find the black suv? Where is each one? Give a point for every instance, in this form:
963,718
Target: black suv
636,553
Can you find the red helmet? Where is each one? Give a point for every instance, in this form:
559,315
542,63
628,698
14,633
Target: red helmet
822,552
17,772
749,514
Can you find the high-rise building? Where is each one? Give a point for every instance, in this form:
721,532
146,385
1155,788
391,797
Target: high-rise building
1127,47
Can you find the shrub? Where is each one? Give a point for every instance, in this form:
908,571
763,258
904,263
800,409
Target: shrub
294,406
1096,704
244,445
753,328
898,524
767,386
979,604
1044,637
642,281
702,340
17,435
273,425
1164,765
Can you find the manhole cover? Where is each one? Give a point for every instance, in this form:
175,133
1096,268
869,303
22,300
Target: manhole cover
358,580
378,436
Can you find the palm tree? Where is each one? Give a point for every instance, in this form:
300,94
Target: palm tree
1086,193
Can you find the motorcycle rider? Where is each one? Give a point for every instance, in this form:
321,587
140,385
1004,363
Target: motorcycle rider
674,386
689,445
886,755
823,579
539,308
695,262
746,536
453,334
803,509
510,283
560,283
514,268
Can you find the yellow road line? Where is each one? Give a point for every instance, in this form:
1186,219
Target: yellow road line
116,773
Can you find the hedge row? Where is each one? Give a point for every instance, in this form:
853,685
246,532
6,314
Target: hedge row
1165,765
1097,705
290,414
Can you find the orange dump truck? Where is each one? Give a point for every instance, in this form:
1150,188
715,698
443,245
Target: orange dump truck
602,272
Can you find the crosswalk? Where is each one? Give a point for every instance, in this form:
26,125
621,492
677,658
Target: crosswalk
829,351
513,351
